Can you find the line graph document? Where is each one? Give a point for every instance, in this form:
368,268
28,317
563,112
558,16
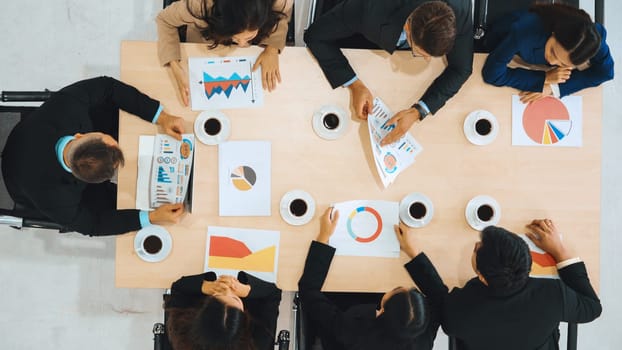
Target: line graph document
224,83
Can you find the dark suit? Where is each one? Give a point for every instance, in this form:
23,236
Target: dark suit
382,22
262,303
356,328
523,34
36,180
523,319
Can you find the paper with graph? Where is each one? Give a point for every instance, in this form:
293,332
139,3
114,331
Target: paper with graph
543,265
223,83
171,167
391,159
229,250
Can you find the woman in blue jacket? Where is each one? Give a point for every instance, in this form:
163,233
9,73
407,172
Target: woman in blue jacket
564,50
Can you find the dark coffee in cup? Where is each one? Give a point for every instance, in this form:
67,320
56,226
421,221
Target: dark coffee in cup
298,207
212,126
152,244
330,121
483,127
417,210
485,212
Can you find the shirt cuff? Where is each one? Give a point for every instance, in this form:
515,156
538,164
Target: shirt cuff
350,82
568,262
422,104
143,216
555,90
157,114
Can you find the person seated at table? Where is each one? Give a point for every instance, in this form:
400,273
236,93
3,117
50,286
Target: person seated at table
205,312
427,28
400,319
504,308
58,161
562,49
225,22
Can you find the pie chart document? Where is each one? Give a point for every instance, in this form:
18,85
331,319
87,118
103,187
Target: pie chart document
549,122
244,172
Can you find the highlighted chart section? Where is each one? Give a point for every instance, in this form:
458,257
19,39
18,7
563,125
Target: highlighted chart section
542,264
546,121
219,85
243,178
231,254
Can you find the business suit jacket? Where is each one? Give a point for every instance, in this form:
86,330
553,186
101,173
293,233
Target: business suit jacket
523,319
382,22
354,328
34,177
262,303
523,34
176,15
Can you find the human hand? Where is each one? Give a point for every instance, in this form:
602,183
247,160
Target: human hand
402,121
327,225
557,75
362,99
238,288
405,237
172,125
181,78
529,96
544,235
269,62
214,287
167,213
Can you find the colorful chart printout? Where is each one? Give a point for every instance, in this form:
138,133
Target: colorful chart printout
543,265
230,250
170,169
365,228
226,82
547,122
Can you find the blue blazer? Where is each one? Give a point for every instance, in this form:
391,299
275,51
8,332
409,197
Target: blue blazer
526,36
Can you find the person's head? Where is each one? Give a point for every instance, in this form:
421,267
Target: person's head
219,323
240,22
574,39
94,157
501,259
431,29
403,315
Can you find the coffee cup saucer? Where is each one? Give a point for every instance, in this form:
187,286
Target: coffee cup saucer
153,230
203,136
405,214
469,127
322,131
287,215
471,212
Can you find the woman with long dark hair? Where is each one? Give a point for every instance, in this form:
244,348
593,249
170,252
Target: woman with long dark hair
225,22
209,313
561,49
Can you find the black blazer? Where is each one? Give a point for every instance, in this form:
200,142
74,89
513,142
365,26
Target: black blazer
382,22
32,173
352,328
524,319
262,303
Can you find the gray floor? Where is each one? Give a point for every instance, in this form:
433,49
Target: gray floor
58,290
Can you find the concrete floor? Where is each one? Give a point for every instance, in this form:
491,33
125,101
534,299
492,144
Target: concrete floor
59,289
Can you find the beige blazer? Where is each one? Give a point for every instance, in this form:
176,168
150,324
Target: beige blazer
177,15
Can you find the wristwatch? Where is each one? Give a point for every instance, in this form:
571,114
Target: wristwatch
423,112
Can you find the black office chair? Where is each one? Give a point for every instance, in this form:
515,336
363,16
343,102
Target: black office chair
12,214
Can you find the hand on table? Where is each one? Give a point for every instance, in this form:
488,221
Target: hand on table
269,62
172,125
402,121
362,99
240,289
544,235
405,236
327,225
557,75
167,213
181,78
529,96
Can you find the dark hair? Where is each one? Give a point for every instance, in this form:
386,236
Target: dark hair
503,259
213,326
433,27
95,161
573,29
227,18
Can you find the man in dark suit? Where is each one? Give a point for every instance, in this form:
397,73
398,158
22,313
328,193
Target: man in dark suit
503,308
427,28
58,161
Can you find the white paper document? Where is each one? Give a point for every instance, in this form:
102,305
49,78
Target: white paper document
244,172
365,228
391,159
543,265
223,83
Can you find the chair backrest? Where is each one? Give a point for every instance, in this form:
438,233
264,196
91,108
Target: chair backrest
8,120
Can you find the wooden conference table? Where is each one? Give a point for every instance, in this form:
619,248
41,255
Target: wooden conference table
528,182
